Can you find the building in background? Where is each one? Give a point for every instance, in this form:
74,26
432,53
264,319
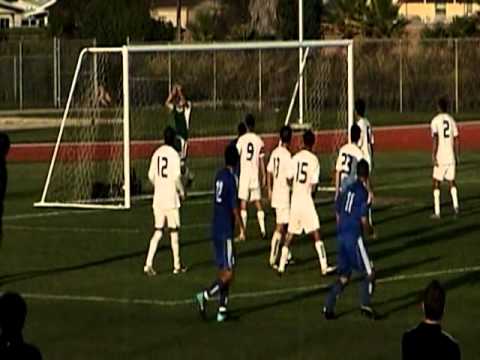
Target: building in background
430,11
21,13
166,10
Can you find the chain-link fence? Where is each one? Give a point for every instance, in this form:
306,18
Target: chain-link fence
392,75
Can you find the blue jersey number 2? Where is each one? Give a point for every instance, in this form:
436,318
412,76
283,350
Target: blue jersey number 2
218,191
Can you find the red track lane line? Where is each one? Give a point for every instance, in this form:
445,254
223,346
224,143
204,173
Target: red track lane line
391,138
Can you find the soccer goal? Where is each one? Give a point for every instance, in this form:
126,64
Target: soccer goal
115,114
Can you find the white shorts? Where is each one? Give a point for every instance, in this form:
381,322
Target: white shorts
247,192
444,172
170,216
282,215
303,219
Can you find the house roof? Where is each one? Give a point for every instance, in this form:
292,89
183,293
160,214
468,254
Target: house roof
173,3
16,6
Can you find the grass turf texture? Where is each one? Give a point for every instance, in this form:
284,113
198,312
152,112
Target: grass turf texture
149,123
101,254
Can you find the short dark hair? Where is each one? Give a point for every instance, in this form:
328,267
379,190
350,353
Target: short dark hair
250,121
355,133
169,136
309,138
360,107
434,301
241,128
442,104
13,311
362,169
286,134
231,156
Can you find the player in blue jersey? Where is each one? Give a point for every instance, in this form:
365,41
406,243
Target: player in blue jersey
352,226
226,213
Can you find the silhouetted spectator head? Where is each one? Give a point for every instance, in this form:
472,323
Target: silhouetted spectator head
434,301
13,311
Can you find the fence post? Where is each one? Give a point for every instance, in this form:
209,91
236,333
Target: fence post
260,80
55,68
401,76
214,80
95,69
15,90
59,74
456,77
20,75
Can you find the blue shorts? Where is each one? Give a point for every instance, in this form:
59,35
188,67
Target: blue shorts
224,253
352,255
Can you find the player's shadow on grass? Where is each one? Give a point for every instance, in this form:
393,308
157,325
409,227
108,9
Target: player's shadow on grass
413,297
240,312
27,275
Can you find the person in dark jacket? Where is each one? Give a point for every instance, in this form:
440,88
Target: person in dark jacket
428,340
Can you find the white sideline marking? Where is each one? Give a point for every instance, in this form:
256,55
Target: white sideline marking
72,229
47,214
245,295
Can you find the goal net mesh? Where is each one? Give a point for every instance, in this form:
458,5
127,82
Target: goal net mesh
223,86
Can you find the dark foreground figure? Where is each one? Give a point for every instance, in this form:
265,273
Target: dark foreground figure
13,312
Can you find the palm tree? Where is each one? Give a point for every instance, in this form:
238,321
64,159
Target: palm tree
179,20
346,16
383,19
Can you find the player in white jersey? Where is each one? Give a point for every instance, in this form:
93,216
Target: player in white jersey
444,155
165,175
252,174
279,189
348,157
304,174
367,140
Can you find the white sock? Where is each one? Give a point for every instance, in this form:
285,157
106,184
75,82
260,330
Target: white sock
175,249
283,259
322,255
454,193
274,246
152,249
261,221
244,216
436,201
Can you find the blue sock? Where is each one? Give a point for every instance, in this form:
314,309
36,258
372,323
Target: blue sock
224,296
216,287
365,291
335,291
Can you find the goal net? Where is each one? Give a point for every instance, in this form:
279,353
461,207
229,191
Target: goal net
115,114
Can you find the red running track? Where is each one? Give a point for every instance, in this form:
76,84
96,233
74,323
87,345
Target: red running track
392,138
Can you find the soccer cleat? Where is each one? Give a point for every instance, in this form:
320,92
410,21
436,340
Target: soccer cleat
435,217
202,306
148,270
222,315
329,270
180,270
328,315
291,261
239,238
368,312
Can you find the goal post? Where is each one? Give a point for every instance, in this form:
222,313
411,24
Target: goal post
115,114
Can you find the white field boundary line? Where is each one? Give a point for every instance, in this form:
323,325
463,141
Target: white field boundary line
245,295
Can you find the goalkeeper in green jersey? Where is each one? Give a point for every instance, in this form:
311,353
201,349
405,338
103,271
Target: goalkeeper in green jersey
181,109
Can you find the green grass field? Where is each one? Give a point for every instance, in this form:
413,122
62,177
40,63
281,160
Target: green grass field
81,274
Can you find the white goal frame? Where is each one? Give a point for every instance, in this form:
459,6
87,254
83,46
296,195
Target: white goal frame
128,49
